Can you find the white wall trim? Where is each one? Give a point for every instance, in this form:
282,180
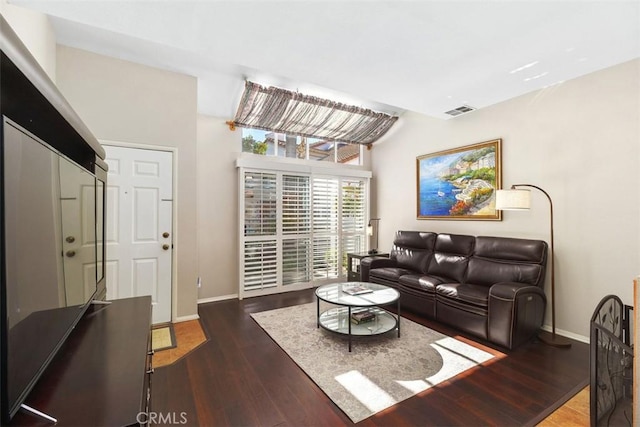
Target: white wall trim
174,215
186,318
215,299
568,334
137,145
253,161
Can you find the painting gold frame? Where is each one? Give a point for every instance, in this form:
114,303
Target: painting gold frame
460,183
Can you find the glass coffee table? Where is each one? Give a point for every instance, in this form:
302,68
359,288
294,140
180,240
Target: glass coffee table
358,311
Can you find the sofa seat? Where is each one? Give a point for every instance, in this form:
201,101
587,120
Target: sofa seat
417,293
419,282
471,294
464,306
490,287
390,273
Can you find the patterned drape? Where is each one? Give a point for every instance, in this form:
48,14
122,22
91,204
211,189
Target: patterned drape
292,113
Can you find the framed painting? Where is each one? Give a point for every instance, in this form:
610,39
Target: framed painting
461,183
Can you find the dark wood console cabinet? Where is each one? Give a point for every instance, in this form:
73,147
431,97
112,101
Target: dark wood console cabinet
102,373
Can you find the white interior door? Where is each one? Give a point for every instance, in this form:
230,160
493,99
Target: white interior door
77,203
139,226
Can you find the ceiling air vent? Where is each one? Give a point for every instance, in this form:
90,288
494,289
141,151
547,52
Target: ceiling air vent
459,110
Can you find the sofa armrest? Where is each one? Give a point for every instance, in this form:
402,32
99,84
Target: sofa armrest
516,313
366,264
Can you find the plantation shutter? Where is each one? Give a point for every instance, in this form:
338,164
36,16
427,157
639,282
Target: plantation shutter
296,228
296,222
260,219
260,204
325,227
260,265
296,210
353,217
296,265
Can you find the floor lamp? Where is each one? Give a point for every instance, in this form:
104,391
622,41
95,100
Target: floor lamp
520,199
370,232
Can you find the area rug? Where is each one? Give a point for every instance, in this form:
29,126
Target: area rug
163,338
380,371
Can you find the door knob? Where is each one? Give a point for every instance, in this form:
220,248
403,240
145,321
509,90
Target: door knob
71,254
165,234
165,247
70,239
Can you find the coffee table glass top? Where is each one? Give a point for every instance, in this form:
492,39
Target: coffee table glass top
357,294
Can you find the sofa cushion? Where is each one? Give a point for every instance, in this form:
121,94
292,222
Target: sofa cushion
412,249
522,250
389,273
415,239
448,267
451,256
419,282
473,294
455,244
487,272
414,260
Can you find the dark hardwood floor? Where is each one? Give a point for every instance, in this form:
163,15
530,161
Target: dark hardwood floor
240,377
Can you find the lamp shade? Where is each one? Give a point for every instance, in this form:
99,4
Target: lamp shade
370,230
513,200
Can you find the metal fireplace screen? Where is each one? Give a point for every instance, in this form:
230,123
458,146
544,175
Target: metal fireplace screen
611,364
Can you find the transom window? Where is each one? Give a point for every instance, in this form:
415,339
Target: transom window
275,144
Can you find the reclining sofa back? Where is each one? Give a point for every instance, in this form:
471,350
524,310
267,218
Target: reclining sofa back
412,250
499,259
491,287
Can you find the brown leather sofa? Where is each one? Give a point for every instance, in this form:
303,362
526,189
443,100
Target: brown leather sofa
490,287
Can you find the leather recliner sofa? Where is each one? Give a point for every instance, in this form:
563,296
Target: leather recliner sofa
489,287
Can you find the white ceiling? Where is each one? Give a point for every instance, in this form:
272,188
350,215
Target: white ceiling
392,56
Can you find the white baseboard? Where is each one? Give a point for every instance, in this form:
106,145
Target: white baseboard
186,318
567,334
220,298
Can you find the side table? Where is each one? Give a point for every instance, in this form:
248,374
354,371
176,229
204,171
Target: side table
353,264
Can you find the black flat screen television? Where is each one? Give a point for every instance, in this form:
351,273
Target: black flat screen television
52,240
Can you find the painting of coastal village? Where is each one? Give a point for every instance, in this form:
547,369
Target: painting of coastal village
460,183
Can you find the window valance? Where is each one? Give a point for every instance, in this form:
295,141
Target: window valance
292,113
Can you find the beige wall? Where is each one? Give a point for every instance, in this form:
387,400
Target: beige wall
580,141
126,102
36,32
217,194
